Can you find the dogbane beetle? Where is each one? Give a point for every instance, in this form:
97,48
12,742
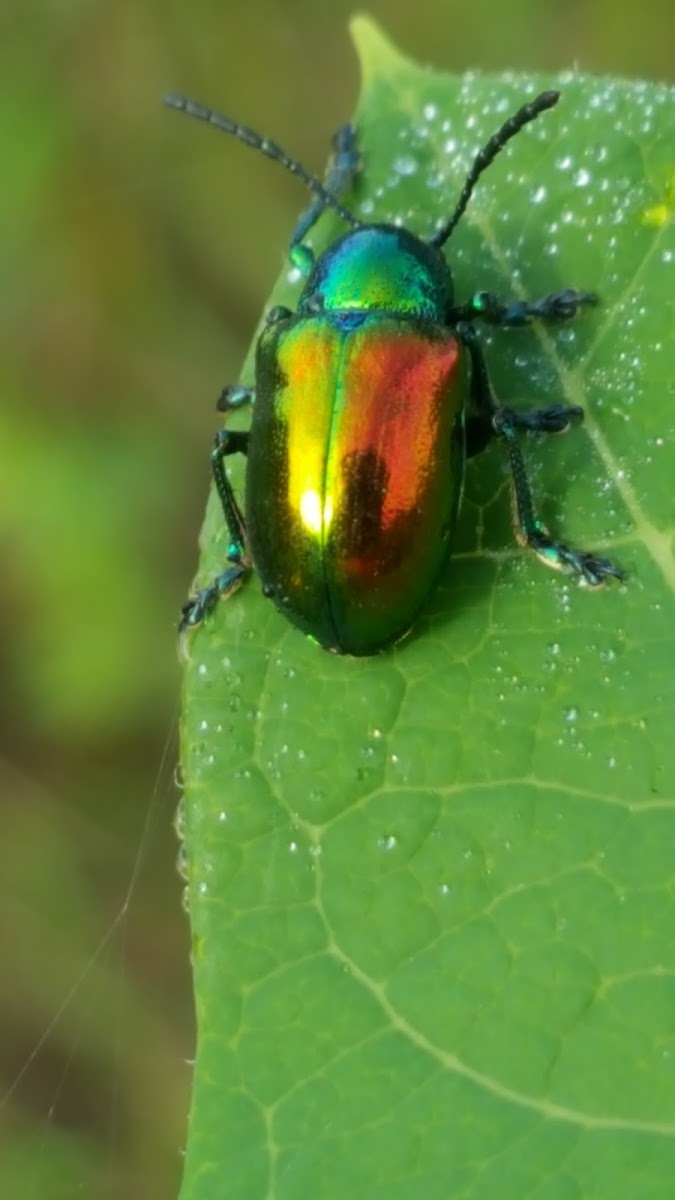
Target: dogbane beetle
368,400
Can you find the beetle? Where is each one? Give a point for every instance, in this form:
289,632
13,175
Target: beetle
368,401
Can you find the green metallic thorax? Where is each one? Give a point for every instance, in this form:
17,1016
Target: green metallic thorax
380,268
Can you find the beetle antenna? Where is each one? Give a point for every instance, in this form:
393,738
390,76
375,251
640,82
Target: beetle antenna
250,138
529,112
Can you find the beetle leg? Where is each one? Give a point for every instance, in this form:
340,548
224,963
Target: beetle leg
555,418
196,608
480,430
490,418
530,530
343,166
558,306
234,397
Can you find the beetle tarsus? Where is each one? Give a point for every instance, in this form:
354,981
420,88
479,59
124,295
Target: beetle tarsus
199,606
592,569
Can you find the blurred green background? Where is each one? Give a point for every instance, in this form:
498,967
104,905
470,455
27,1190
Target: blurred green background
136,254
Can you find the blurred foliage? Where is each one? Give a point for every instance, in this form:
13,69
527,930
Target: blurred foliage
135,258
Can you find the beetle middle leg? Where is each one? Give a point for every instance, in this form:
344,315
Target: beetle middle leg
343,166
487,419
554,418
511,314
227,581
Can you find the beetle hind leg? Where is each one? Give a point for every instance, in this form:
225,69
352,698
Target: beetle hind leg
227,581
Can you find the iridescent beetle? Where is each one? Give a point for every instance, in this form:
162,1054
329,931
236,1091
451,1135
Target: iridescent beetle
368,401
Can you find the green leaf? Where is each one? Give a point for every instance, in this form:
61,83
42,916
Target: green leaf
432,892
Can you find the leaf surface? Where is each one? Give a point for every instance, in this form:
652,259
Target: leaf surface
432,892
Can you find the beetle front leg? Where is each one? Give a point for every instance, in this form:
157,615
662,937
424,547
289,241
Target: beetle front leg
226,582
343,166
511,314
235,397
489,418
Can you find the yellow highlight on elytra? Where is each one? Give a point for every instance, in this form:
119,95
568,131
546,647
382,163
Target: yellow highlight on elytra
313,518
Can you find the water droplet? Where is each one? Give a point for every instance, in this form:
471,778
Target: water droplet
405,164
182,865
387,841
